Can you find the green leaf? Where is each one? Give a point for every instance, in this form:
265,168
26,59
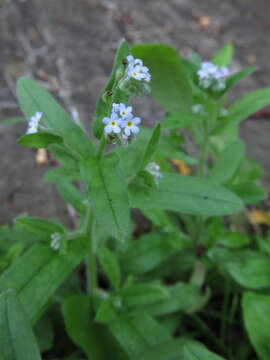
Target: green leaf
147,252
107,192
41,139
95,339
169,83
33,98
183,297
256,313
17,341
63,155
235,78
102,108
105,311
186,194
137,332
143,294
224,56
253,273
228,163
243,108
248,268
179,120
180,349
72,195
40,228
151,147
249,192
61,174
44,333
110,266
39,272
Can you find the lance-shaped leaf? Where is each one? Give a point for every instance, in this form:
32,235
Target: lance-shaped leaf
72,195
110,266
169,83
106,190
249,192
143,294
41,139
256,313
33,98
243,108
137,332
228,162
224,56
40,228
39,272
186,194
151,147
103,108
17,341
95,339
180,349
180,120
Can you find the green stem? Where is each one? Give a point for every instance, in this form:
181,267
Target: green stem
204,150
224,312
102,145
205,329
91,255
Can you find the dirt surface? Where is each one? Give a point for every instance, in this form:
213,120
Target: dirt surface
68,45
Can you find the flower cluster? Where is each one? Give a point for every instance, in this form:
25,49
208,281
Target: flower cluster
121,122
33,123
56,241
136,70
135,78
210,75
154,169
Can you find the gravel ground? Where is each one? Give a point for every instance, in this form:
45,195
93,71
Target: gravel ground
68,45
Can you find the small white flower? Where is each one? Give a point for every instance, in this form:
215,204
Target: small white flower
115,107
225,71
135,72
56,241
112,124
197,108
125,111
154,169
132,62
130,125
33,123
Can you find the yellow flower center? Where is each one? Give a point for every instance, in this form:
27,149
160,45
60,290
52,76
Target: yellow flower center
113,123
134,73
129,123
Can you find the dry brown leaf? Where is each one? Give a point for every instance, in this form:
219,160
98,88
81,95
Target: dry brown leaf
182,167
41,156
259,217
205,21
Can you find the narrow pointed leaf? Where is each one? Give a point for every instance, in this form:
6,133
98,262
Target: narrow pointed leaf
110,266
186,194
39,272
256,313
102,108
41,139
169,83
224,56
17,341
106,190
151,147
228,162
33,98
